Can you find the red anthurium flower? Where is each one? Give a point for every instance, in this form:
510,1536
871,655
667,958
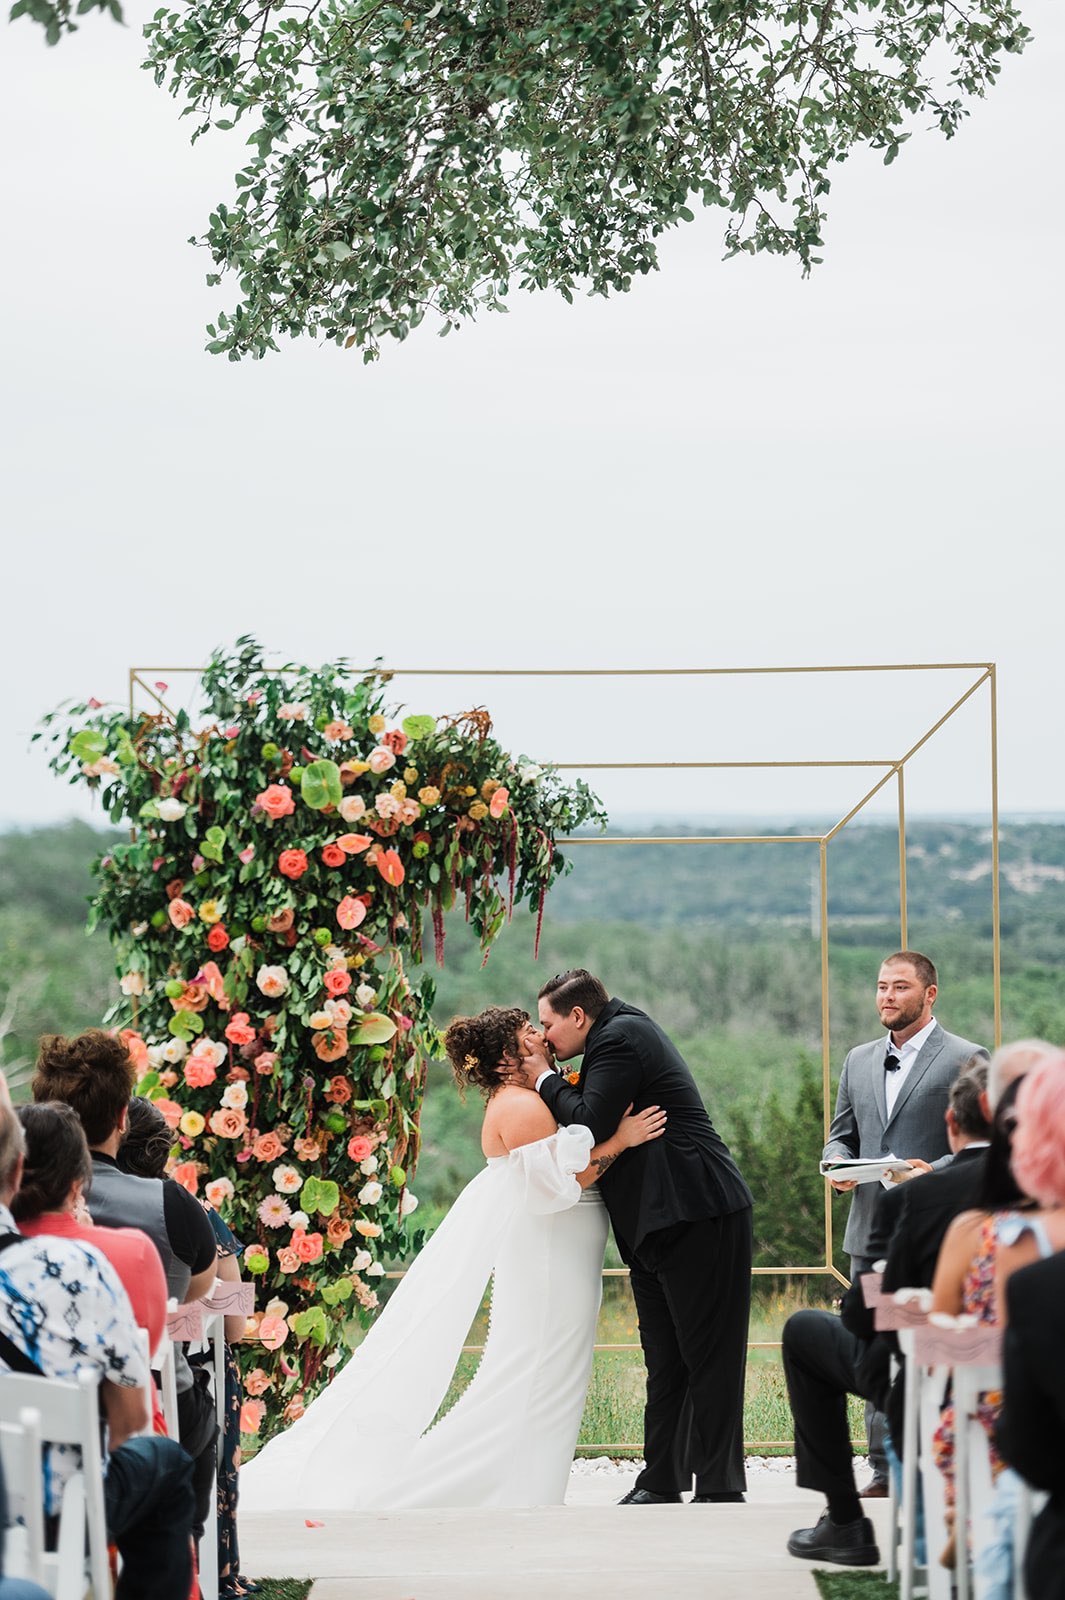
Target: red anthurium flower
390,867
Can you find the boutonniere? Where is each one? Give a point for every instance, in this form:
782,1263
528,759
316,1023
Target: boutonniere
573,1077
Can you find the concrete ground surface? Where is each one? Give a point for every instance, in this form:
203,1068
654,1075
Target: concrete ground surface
589,1546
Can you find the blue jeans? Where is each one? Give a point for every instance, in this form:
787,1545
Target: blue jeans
920,1549
149,1506
22,1589
993,1537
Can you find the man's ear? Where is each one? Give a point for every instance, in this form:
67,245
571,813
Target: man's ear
580,1016
985,1107
123,1122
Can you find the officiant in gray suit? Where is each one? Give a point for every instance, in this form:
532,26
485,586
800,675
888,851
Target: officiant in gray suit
892,1100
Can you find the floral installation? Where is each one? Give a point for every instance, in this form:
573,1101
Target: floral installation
286,855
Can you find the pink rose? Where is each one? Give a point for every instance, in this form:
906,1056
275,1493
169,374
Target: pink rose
292,863
350,912
256,1381
276,800
199,1072
247,854
333,856
409,811
337,732
228,1123
381,759
238,1031
395,740
359,1147
265,1063
268,1147
337,980
171,1111
180,913
308,1246
287,1261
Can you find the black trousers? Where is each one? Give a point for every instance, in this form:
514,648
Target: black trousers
692,1287
876,1423
197,1431
823,1364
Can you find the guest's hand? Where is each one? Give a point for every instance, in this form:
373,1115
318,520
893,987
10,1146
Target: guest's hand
919,1167
841,1185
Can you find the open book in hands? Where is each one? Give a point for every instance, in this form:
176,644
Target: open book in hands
884,1169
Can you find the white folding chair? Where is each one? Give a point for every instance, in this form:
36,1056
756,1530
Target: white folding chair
225,1299
21,1450
69,1414
901,1314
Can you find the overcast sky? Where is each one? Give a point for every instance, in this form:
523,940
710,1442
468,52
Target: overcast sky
727,467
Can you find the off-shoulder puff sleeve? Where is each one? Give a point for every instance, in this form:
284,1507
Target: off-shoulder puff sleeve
545,1169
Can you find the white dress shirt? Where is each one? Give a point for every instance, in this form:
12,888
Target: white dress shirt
907,1054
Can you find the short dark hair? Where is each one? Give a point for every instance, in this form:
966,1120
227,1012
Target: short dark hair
926,972
146,1148
574,988
965,1093
56,1156
94,1073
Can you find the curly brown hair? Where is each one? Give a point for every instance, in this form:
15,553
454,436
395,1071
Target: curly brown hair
476,1046
94,1073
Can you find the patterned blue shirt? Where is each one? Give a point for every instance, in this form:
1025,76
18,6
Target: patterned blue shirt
61,1302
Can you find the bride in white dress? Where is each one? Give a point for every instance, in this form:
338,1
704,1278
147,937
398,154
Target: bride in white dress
534,1223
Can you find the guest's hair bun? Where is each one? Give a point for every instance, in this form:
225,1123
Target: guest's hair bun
477,1046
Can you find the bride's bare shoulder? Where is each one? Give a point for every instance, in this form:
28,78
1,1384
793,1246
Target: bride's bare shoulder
517,1116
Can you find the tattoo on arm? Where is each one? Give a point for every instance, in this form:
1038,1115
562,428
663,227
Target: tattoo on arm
600,1163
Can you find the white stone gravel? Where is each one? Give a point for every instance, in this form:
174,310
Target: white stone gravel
628,1467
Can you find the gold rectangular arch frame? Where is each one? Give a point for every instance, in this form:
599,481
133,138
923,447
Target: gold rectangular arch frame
888,769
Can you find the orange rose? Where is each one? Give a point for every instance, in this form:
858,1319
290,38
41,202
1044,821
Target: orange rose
292,863
331,1044
337,981
268,1147
333,856
217,939
228,1123
193,997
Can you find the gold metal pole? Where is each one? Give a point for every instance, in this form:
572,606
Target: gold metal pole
721,766
701,838
996,930
903,918
631,672
826,1048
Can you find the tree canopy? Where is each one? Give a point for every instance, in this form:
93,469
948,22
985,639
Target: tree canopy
424,158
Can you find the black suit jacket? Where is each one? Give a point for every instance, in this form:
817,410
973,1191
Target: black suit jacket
1031,1426
909,1225
686,1175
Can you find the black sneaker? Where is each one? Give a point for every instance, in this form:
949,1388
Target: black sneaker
848,1544
647,1497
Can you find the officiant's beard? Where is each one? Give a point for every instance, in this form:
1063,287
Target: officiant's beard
903,1017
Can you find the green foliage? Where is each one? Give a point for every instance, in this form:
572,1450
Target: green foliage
408,160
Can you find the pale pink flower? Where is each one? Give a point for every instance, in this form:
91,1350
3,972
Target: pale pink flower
381,759
247,854
287,1180
218,1191
337,732
386,805
409,811
293,711
132,983
352,807
274,1211
272,981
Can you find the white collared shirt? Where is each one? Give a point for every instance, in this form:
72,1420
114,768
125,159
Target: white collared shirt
907,1054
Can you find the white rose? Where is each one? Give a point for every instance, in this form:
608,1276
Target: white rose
362,1260
287,1180
156,1056
368,1167
376,1271
352,808
408,1204
235,1096
170,810
333,1359
370,1193
132,983
272,981
530,773
175,1051
366,995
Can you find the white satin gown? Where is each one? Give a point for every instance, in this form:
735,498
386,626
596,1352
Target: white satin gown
366,1443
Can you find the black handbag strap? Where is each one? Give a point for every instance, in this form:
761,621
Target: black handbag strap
16,1359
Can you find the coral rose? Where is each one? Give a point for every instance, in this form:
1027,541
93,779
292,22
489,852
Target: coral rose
337,981
199,1072
395,740
331,1044
228,1123
138,1050
256,1381
180,913
292,863
308,1246
238,1030
333,856
353,844
193,997
350,912
338,1231
276,800
337,732
273,1331
268,1147
217,939
171,1112
307,1149
390,867
187,1173
359,1147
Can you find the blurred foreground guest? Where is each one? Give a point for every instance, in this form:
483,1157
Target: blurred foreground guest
95,1075
63,1308
14,1588
145,1151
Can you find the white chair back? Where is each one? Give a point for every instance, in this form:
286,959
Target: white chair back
21,1450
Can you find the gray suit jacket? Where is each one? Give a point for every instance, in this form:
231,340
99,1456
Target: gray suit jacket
916,1127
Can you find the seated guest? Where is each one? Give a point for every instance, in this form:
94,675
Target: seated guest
146,1151
48,1202
826,1357
14,1588
95,1075
62,1308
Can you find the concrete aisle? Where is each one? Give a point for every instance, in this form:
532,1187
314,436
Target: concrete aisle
589,1546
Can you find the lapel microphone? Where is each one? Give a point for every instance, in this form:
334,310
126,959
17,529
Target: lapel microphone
892,1062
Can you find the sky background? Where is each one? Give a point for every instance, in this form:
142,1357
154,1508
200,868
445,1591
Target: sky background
730,466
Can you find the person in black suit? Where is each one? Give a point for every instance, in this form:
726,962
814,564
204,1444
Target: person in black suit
826,1357
681,1215
1031,1427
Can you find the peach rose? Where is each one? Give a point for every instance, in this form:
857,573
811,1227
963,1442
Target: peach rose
339,1013
359,1147
265,1063
273,1331
331,1044
256,1381
193,997
168,1078
180,913
276,800
352,807
138,1050
281,921
272,981
287,1260
336,732
228,1123
252,1413
292,863
369,1230
339,1091
238,1030
350,912
268,1147
409,811
295,1409
171,1111
219,1191
307,1149
381,759
187,1173
338,1231
199,1072
337,981
430,795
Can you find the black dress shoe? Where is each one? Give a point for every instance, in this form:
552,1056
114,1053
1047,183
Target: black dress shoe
647,1497
727,1497
848,1544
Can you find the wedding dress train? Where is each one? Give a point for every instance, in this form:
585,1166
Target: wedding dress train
362,1445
